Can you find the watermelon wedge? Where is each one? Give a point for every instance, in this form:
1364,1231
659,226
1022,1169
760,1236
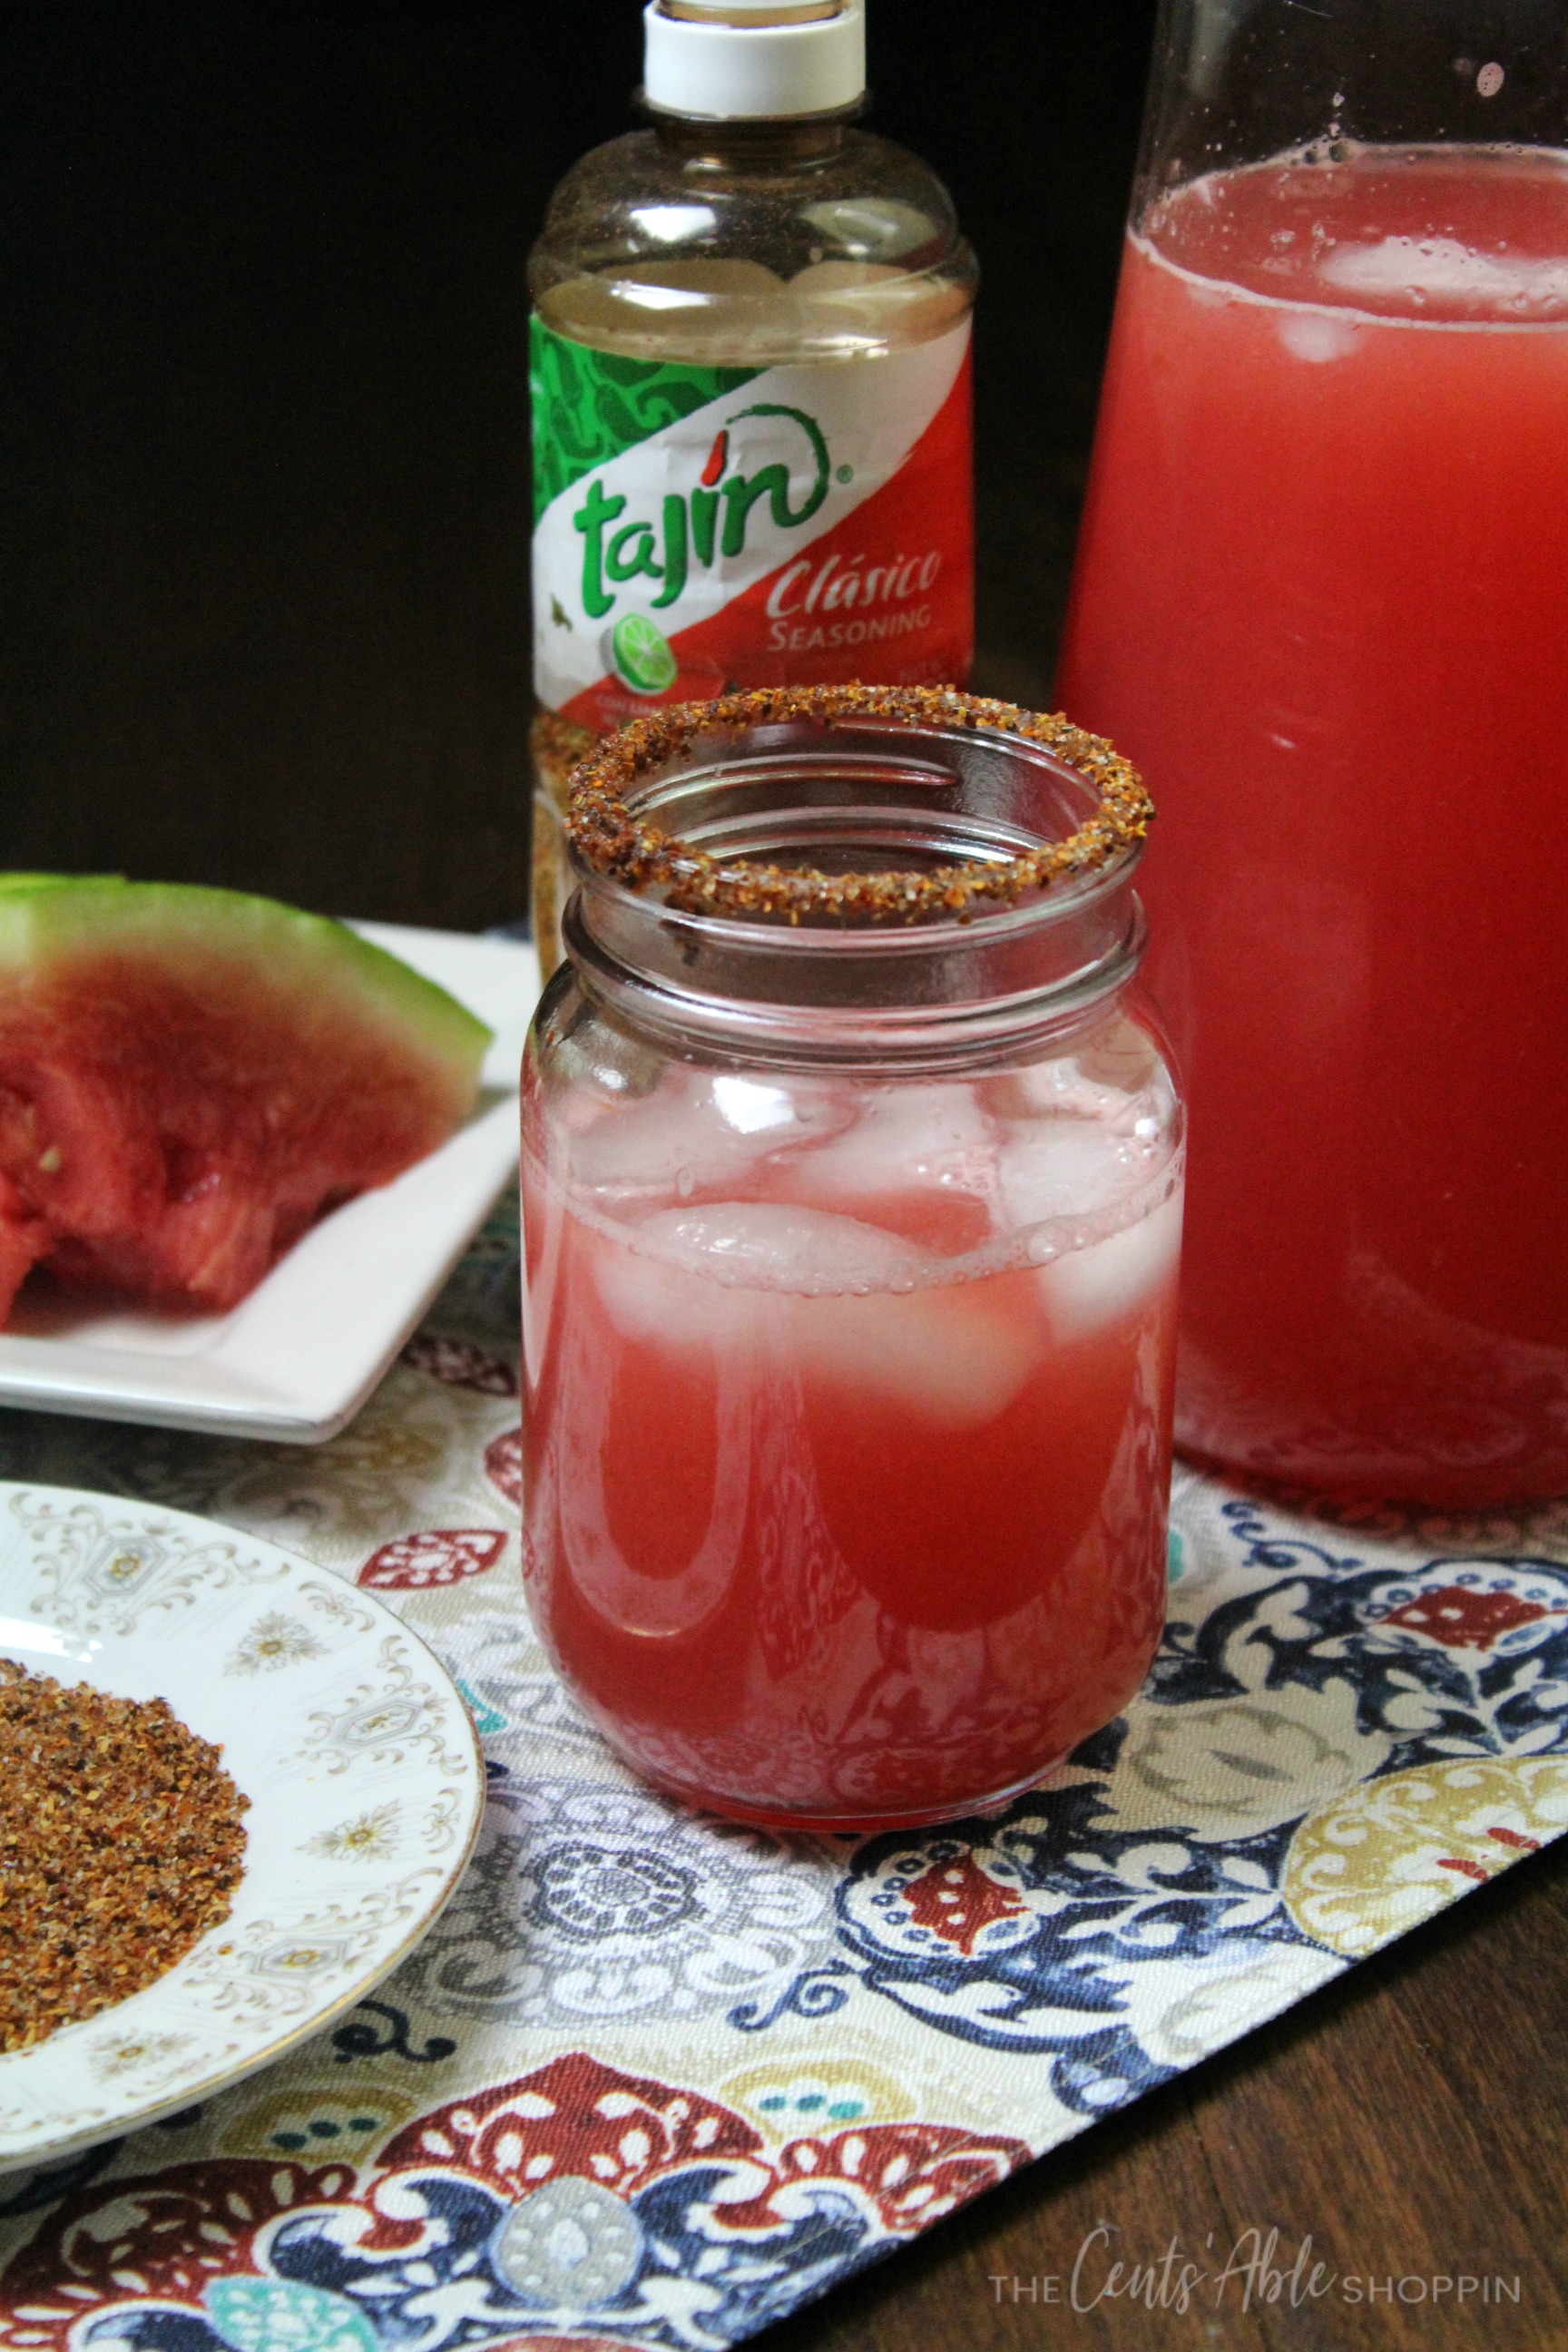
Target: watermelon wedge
188,1078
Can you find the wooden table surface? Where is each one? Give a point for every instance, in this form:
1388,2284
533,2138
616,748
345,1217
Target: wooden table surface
263,495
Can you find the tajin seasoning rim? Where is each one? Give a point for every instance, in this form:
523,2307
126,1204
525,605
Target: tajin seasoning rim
612,840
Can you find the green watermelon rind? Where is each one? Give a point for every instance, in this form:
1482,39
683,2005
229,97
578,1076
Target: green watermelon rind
48,919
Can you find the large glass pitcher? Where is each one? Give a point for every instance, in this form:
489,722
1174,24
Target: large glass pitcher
1321,599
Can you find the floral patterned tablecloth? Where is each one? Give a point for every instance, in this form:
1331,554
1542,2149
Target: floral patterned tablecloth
653,2080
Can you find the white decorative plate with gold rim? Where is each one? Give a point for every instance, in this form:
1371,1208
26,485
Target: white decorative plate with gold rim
358,1755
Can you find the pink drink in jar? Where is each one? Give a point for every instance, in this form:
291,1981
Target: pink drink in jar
849,1382
1322,598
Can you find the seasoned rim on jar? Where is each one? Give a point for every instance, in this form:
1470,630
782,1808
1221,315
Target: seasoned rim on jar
612,840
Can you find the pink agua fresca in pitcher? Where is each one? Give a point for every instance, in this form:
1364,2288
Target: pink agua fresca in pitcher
1322,598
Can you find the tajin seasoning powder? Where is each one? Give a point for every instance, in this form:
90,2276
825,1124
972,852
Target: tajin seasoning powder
120,1844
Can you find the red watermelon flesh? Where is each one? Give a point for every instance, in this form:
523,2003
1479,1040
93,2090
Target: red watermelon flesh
188,1078
24,1239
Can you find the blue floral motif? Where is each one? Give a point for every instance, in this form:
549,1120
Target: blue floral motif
1461,1655
688,2280
1078,1914
589,1900
362,2037
1078,1925
817,1993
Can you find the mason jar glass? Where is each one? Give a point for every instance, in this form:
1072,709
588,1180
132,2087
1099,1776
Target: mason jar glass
852,1181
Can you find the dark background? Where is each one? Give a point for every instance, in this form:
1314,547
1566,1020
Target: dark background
263,565
263,406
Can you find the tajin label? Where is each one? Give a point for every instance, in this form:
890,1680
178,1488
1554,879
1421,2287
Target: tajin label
698,527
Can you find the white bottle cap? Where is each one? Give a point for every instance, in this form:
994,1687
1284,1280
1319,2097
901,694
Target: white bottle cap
720,59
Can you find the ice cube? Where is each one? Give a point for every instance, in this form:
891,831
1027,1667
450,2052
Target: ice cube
1055,1087
1087,1289
699,1130
956,1354
1122,1056
707,1277
1065,1168
1442,266
750,1107
906,1138
768,1245
1104,1076
850,1304
661,1301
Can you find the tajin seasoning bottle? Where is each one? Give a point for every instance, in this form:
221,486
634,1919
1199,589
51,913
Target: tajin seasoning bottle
749,372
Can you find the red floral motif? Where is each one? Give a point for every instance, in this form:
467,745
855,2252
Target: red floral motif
460,1364
1467,1869
166,2236
574,2116
1462,1619
561,2344
913,2173
437,1555
958,1901
162,2237
503,1465
1512,1841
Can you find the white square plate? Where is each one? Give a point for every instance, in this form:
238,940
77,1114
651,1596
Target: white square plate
297,1357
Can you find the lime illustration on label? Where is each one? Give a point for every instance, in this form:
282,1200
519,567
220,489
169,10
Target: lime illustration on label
637,650
699,528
